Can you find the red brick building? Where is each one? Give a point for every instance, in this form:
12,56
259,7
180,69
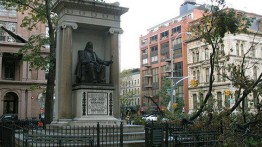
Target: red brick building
16,75
155,55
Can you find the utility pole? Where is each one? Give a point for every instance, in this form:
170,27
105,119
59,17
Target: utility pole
173,98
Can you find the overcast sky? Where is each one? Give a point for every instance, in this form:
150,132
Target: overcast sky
144,14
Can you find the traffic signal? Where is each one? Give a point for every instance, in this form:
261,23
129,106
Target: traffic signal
194,83
227,92
174,105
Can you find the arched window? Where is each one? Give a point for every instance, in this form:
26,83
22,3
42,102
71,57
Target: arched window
219,100
237,49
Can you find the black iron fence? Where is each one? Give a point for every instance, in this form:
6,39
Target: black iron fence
21,134
176,134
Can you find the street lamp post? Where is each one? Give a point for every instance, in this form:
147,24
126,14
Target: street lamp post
173,99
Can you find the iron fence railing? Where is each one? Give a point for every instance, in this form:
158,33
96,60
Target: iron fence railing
23,134
174,134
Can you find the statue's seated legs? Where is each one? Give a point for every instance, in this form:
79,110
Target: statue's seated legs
95,73
101,75
91,74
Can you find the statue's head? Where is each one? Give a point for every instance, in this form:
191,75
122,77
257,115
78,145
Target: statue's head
89,46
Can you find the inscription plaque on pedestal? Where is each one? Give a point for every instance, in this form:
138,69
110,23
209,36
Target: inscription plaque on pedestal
97,103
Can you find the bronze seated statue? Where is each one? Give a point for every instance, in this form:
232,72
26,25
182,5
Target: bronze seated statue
90,68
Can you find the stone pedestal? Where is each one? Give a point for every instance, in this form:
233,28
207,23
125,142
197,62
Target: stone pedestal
91,104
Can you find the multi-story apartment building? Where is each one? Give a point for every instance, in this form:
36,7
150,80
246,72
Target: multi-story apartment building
130,91
16,75
155,54
232,50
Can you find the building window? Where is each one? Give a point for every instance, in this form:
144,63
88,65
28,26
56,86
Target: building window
227,101
201,98
206,54
253,51
194,75
195,101
11,12
218,75
154,59
46,71
153,38
164,34
198,76
219,100
176,29
242,49
9,69
207,74
154,49
5,36
155,75
222,75
144,41
177,41
197,56
178,67
222,49
177,53
193,57
164,51
237,49
255,73
144,61
144,51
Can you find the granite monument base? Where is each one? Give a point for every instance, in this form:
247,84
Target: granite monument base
92,104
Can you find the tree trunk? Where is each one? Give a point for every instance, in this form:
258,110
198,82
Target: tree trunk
49,101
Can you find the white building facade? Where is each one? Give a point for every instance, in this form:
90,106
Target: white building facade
232,51
130,89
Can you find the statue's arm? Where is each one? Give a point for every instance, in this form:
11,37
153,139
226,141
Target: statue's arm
100,61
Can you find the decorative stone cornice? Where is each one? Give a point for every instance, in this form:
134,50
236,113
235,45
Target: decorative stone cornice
116,31
69,24
87,5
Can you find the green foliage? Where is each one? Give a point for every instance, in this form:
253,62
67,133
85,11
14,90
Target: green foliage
218,21
163,93
138,121
33,51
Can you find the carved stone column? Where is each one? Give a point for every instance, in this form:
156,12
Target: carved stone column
29,105
115,68
64,71
23,104
26,73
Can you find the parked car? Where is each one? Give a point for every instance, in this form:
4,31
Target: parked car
9,117
151,118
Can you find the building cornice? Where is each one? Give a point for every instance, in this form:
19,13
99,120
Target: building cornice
90,5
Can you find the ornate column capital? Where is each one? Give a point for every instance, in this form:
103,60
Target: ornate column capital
69,24
115,31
